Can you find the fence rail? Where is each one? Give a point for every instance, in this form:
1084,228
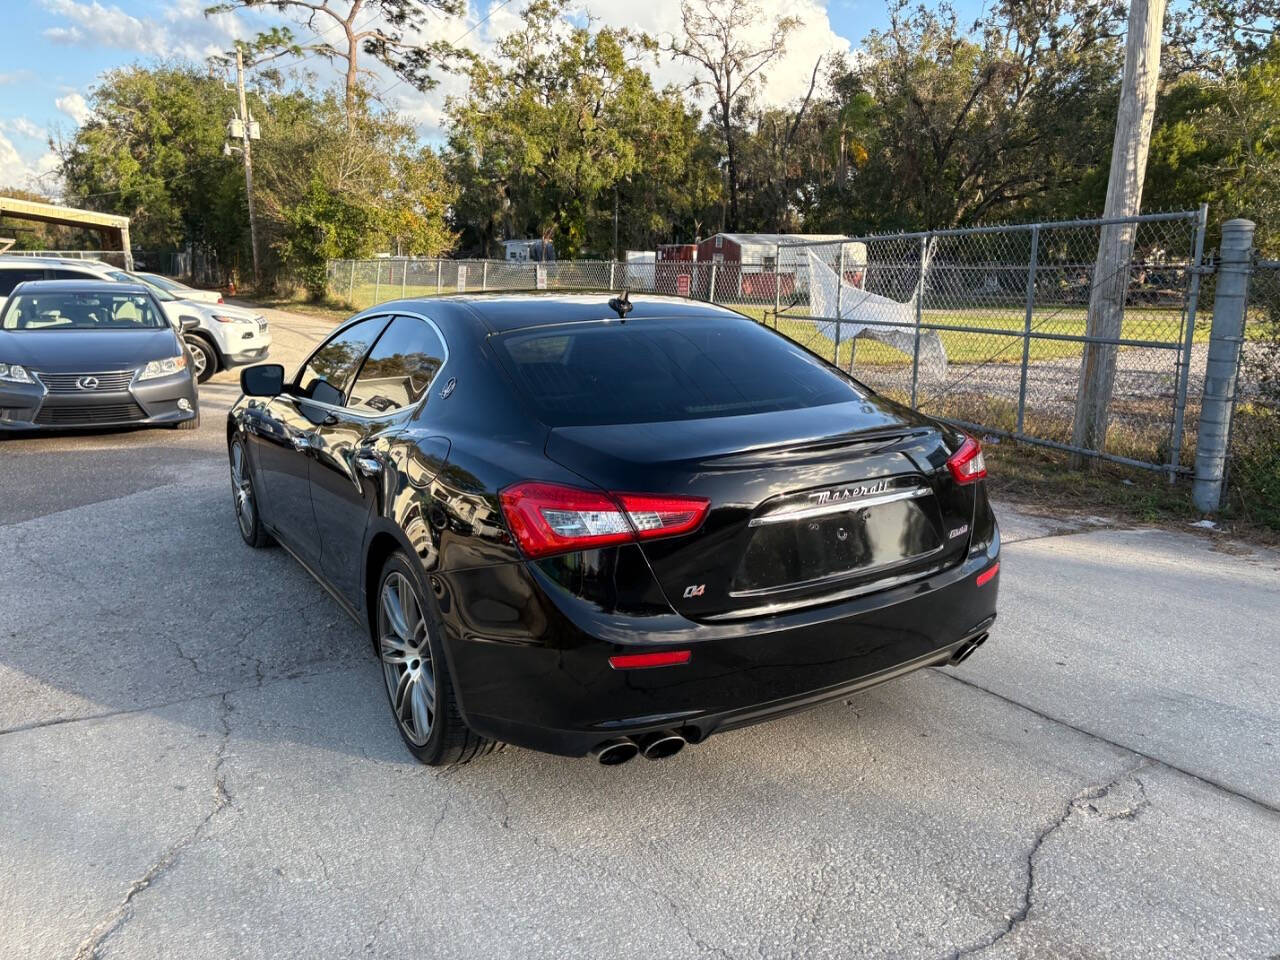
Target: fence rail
988,327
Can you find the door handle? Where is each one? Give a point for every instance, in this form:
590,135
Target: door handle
368,464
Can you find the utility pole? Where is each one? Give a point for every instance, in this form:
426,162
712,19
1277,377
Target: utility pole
1115,243
245,138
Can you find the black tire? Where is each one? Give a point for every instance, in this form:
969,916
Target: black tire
245,497
192,424
448,739
204,356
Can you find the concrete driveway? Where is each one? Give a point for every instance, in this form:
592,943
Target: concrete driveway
196,761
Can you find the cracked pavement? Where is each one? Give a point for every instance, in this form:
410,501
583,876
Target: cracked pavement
196,760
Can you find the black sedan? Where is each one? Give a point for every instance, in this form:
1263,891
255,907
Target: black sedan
584,528
84,353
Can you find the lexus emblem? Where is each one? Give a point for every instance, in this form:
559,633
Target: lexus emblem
87,383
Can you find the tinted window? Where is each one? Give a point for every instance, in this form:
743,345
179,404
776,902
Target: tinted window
400,367
329,371
670,369
72,275
81,311
11,278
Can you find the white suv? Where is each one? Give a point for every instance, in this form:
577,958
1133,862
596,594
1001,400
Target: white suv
225,336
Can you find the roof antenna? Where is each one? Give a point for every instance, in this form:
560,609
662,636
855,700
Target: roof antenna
621,304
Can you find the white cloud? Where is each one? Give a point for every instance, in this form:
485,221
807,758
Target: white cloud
785,81
74,106
23,127
24,172
185,30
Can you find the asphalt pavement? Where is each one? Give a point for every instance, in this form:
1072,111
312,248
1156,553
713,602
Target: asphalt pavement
196,761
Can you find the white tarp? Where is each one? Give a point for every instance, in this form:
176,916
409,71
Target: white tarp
857,306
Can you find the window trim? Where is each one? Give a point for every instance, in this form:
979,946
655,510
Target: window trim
365,359
372,314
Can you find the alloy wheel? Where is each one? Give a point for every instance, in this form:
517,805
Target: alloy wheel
242,491
199,359
405,649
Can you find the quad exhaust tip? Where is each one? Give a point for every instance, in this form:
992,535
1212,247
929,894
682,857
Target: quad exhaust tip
654,746
611,753
965,650
663,744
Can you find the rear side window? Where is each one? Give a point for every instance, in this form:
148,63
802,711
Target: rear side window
11,278
657,370
399,369
331,368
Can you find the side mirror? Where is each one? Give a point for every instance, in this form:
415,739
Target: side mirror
263,380
187,324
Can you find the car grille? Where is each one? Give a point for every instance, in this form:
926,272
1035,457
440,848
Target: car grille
90,414
114,380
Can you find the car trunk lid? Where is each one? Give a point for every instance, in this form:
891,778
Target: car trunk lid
806,506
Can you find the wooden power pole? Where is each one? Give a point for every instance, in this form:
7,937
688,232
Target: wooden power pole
246,152
1124,199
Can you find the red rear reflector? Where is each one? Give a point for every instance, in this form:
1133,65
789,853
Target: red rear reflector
986,576
634,661
547,518
967,464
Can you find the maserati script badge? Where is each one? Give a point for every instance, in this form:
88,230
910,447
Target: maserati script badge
857,492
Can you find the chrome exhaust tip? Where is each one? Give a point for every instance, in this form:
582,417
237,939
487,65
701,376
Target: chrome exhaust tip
966,649
611,753
663,744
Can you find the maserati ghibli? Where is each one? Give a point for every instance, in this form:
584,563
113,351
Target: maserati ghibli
595,527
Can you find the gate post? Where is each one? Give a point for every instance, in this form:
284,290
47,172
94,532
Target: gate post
711,289
351,284
1188,344
777,284
1225,339
1032,265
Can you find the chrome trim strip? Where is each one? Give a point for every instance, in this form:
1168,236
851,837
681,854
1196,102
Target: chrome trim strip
911,493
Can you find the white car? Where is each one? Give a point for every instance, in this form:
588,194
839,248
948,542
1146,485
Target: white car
180,290
224,336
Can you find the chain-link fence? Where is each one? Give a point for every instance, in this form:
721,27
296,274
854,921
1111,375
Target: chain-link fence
1253,459
987,327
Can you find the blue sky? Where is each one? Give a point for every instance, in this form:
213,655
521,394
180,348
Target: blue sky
51,51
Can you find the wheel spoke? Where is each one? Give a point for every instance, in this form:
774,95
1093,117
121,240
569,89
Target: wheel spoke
402,690
428,686
393,608
394,650
420,708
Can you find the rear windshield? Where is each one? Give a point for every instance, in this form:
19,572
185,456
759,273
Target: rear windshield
657,370
81,311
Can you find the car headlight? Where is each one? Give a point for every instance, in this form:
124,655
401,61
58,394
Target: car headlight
223,318
14,373
163,368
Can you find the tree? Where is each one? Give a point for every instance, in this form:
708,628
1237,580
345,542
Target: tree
1217,141
555,122
965,126
152,150
339,183
383,29
715,37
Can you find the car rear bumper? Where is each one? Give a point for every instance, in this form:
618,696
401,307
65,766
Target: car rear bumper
25,408
558,693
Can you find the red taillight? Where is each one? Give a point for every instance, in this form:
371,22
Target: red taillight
986,576
219,298
967,464
638,661
546,518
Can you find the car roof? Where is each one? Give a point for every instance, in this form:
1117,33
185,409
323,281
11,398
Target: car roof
79,286
503,312
10,260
